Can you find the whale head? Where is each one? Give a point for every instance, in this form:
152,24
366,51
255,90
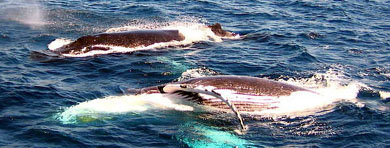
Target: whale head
217,29
82,44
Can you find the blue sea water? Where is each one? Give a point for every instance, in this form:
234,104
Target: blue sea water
315,44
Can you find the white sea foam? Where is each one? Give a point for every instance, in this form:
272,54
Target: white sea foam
384,95
329,88
193,32
304,103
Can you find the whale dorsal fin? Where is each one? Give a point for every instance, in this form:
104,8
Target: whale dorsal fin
172,88
217,29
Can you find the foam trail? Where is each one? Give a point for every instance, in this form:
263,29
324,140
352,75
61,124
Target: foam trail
98,108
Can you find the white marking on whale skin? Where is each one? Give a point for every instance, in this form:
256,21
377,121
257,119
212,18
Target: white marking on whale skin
121,49
299,103
84,49
99,108
236,96
209,90
207,93
123,104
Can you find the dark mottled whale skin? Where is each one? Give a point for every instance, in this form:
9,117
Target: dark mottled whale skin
129,39
254,91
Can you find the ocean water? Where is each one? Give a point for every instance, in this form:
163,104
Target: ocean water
340,49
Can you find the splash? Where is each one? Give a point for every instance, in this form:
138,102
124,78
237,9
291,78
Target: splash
192,31
384,95
196,73
111,105
330,87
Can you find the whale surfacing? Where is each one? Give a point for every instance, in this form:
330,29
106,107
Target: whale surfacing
129,39
236,93
248,94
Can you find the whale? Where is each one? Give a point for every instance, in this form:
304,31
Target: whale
129,39
249,93
227,92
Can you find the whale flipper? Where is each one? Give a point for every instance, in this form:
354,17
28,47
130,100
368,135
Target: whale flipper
45,56
172,88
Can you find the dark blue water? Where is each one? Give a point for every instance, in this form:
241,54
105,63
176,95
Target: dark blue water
284,40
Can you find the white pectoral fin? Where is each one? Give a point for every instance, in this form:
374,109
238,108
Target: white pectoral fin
172,88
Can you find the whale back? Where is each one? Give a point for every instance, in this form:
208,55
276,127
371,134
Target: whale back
248,94
133,39
240,84
129,39
246,85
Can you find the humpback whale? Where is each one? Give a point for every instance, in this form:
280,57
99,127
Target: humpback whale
129,39
238,93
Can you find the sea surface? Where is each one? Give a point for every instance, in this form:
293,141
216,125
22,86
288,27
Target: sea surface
339,48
